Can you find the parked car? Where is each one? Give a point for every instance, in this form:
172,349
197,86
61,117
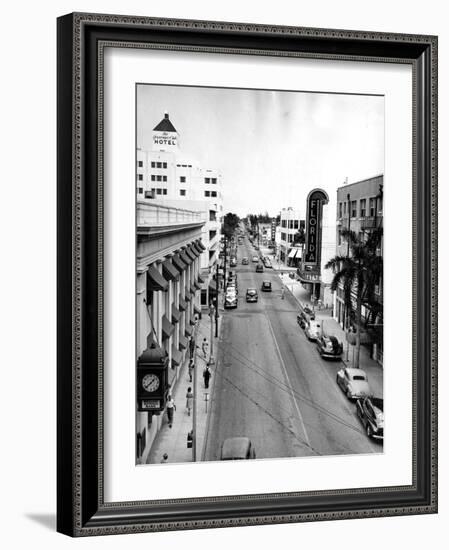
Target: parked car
354,382
370,410
237,448
230,301
330,347
245,261
259,268
231,288
309,311
267,263
256,259
233,262
251,295
304,317
313,329
266,286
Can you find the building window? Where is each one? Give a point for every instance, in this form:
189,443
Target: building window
379,205
153,165
158,164
141,190
140,163
206,180
362,208
182,192
290,238
164,191
158,178
340,209
164,165
296,224
140,177
214,180
207,193
164,178
213,193
153,177
372,208
283,236
158,191
302,224
344,208
340,239
353,209
182,179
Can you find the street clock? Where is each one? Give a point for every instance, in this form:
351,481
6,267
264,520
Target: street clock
152,380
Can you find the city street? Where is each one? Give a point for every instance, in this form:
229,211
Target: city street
272,385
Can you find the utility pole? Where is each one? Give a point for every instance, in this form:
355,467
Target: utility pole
195,397
224,269
216,306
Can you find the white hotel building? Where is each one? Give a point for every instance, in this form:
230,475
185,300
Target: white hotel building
168,177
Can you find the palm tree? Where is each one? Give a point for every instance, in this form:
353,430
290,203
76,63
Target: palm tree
359,271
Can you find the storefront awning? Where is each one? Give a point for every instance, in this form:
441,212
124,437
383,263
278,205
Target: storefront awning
293,252
201,245
192,289
197,285
188,331
169,271
178,263
200,280
193,320
197,248
186,259
182,304
192,253
175,314
187,296
183,342
155,281
197,310
176,357
167,328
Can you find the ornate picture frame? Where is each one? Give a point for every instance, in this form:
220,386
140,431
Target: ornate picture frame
81,508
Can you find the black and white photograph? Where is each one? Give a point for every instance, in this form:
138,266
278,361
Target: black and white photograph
259,274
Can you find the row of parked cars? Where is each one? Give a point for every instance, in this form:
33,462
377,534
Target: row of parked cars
352,381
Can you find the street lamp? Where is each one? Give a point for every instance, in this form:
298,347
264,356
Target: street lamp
212,318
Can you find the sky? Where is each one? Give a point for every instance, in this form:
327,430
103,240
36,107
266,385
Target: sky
271,147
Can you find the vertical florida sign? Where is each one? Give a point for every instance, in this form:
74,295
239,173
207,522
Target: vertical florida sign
315,201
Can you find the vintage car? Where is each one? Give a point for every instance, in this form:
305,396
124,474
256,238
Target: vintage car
237,448
256,259
330,347
251,295
266,286
370,410
267,263
259,268
233,261
354,382
313,329
230,301
245,261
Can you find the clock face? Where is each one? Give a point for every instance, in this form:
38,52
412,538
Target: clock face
150,382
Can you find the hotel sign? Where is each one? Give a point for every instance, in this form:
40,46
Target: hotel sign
165,140
315,201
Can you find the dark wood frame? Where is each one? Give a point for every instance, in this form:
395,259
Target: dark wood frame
80,509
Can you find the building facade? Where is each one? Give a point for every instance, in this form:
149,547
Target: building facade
289,252
165,175
359,209
169,247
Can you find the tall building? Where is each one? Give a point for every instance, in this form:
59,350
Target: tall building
169,248
166,175
359,208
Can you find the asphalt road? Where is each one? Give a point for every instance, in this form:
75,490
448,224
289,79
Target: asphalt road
272,385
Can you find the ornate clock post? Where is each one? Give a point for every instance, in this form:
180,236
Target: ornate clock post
152,381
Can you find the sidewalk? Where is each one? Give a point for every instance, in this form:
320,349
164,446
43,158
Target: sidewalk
332,328
173,441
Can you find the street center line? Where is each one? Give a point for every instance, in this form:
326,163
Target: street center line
289,383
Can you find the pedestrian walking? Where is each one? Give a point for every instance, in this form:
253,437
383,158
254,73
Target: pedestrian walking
164,458
189,400
206,375
191,367
205,348
171,408
283,293
192,347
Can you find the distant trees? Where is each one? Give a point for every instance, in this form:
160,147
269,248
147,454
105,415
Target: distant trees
230,223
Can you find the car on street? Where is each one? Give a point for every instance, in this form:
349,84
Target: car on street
330,347
245,261
237,448
256,259
230,301
370,410
231,288
313,329
267,263
266,286
259,268
354,382
251,295
233,262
